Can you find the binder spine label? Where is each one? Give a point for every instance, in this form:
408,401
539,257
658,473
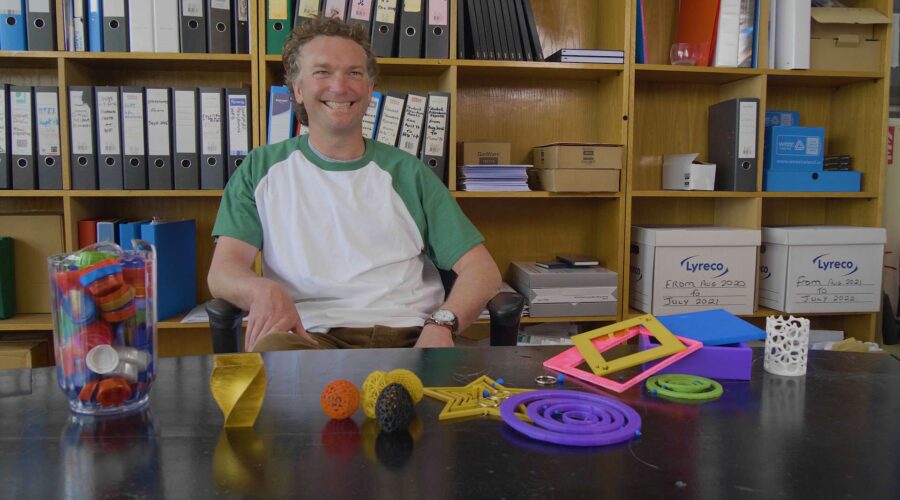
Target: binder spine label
186,122
39,6
133,123
81,124
334,8
278,9
114,8
243,10
390,120
192,8
747,127
158,122
361,10
368,122
47,123
2,120
437,13
11,8
412,124
220,4
211,123
108,123
238,143
20,123
412,5
386,11
309,8
436,126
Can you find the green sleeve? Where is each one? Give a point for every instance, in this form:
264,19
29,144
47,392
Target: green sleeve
237,217
448,233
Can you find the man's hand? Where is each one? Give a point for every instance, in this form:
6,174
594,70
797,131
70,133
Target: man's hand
435,336
272,310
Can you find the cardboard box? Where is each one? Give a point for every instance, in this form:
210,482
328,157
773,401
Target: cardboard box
679,269
826,181
25,354
794,148
578,156
807,269
558,180
35,237
682,172
845,39
484,153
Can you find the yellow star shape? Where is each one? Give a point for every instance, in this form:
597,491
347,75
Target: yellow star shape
469,400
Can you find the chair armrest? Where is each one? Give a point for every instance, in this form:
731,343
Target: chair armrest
506,312
225,326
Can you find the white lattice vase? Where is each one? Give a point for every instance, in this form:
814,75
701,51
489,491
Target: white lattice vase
787,345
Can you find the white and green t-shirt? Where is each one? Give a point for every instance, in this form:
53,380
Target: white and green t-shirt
355,243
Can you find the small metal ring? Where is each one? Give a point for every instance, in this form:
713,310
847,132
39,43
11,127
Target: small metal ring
545,380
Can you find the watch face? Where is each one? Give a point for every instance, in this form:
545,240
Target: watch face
444,315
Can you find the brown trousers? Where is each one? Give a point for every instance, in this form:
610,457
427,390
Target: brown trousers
341,338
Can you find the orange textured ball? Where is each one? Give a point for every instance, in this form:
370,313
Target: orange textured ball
339,399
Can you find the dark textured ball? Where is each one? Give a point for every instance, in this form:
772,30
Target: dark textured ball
393,408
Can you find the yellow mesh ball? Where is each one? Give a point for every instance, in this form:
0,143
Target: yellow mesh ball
409,380
371,388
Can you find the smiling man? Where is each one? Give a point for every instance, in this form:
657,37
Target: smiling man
352,230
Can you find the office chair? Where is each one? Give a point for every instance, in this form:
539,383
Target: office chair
228,336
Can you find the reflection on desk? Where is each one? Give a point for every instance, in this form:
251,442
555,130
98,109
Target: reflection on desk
833,433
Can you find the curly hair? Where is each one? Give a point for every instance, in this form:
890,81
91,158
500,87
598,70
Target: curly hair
323,26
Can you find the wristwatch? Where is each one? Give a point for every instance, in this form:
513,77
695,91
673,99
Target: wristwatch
444,317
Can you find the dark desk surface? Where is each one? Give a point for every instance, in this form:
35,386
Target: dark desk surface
832,434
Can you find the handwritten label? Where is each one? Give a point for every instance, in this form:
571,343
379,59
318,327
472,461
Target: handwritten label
185,122
334,8
81,123
108,140
133,123
411,132
436,125
47,111
437,13
20,122
386,11
158,143
361,9
2,119
412,5
211,123
368,121
390,120
309,8
238,137
194,8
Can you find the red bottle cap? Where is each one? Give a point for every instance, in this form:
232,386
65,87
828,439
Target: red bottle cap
113,391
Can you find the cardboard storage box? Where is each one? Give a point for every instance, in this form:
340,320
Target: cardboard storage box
570,291
825,181
683,172
24,354
35,237
484,153
794,148
578,156
529,275
806,269
576,180
845,39
679,269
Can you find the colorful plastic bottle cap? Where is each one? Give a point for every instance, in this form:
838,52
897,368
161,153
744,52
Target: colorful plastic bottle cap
100,270
89,258
134,276
105,285
102,359
68,280
141,359
116,299
95,334
120,314
113,391
128,371
79,308
87,392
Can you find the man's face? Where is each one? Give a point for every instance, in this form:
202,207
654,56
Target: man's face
334,85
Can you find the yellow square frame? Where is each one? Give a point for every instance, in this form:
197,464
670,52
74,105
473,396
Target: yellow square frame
669,344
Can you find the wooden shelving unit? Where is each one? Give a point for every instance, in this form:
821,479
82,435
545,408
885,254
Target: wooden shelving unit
653,109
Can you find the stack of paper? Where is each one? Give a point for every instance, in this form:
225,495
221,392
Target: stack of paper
494,177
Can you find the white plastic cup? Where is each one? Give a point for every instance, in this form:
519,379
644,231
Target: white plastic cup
787,346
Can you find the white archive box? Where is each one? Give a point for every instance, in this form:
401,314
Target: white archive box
805,269
680,269
683,172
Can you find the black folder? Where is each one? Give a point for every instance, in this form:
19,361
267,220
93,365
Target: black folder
41,27
238,126
733,127
192,17
21,120
212,139
384,28
82,137
437,30
185,132
159,138
522,24
412,23
108,116
5,173
115,26
218,27
512,27
240,14
537,52
436,134
49,152
134,141
495,22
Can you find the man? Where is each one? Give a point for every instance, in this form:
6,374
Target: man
351,229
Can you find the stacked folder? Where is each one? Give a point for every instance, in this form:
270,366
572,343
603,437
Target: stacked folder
397,28
157,138
30,156
493,177
189,26
588,56
497,30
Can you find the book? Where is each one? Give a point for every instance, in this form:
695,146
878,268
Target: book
551,264
578,260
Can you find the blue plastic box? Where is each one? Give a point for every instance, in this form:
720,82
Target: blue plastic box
831,181
784,118
794,148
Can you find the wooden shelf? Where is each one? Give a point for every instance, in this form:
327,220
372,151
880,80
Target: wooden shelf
162,61
28,59
32,193
537,70
155,193
530,194
691,74
818,78
27,322
860,195
692,194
